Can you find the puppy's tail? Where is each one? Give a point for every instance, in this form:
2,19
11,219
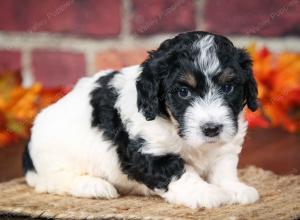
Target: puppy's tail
28,168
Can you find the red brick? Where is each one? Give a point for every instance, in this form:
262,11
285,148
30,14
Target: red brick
56,68
95,18
163,16
118,59
255,17
10,60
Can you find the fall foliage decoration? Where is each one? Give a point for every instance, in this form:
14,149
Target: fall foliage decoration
277,75
19,106
278,78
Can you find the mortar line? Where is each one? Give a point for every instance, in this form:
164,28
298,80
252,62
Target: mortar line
27,73
74,44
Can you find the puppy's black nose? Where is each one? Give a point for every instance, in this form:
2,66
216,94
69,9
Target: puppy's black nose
211,129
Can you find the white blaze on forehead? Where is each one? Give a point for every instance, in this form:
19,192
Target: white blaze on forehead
207,59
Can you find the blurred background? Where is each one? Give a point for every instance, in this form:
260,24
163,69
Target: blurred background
45,46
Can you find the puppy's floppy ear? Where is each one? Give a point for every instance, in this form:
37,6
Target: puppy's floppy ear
250,85
154,69
148,85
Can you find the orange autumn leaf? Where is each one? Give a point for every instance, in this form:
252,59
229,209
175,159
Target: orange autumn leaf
256,119
285,110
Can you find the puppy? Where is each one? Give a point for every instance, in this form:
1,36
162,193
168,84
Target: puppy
172,126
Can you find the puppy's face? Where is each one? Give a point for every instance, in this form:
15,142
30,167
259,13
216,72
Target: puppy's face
201,83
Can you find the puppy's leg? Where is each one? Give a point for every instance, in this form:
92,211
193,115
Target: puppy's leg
67,183
224,174
190,190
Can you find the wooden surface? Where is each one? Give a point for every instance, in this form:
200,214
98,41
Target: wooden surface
271,149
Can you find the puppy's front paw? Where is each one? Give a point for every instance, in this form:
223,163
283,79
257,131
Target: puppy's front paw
207,196
241,193
92,187
211,196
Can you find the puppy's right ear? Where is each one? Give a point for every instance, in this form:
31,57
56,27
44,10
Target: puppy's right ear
147,86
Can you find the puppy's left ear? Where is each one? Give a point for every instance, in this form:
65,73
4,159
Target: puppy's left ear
250,84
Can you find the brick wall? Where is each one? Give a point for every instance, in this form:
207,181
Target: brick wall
57,41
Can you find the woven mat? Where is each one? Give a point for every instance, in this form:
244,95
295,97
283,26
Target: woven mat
280,199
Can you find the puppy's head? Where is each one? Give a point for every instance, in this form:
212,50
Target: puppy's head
200,82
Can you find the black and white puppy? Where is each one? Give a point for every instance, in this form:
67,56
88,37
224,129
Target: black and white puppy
172,126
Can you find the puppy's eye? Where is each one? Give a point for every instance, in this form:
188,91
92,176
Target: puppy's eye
227,88
184,92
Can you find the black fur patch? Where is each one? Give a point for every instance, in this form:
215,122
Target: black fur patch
27,161
153,171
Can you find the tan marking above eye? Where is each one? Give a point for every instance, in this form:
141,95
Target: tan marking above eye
226,75
189,79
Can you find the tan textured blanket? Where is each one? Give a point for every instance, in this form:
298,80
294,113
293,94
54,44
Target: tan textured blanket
280,199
